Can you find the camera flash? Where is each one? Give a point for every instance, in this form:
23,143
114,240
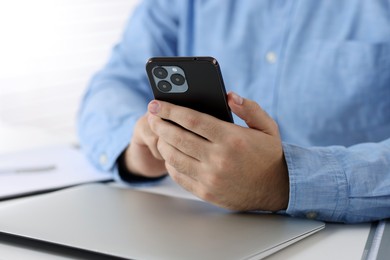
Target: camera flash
174,69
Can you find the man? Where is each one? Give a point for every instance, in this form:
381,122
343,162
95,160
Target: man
320,70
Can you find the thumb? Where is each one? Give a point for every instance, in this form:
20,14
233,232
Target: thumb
253,115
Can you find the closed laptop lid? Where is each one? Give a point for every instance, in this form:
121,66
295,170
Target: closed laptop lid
139,225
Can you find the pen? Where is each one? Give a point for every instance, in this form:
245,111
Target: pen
45,168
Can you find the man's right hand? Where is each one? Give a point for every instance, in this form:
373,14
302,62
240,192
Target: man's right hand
142,156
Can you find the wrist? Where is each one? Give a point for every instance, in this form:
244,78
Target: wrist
280,193
128,175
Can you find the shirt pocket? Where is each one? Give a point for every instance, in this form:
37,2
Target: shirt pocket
346,90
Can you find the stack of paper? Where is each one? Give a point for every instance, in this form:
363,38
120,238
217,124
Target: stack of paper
45,169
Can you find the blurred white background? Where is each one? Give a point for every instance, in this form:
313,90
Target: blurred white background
49,49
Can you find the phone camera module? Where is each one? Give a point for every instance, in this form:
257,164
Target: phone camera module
164,86
160,72
169,79
177,79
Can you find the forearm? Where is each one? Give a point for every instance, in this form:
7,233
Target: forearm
106,124
118,95
340,184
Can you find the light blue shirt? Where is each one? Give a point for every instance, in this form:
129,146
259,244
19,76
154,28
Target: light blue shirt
321,69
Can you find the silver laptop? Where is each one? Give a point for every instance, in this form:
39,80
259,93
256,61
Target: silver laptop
139,225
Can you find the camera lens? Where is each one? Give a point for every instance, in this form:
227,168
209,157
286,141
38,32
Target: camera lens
160,72
164,86
177,79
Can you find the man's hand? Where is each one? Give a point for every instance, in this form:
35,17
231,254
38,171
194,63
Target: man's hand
235,167
142,156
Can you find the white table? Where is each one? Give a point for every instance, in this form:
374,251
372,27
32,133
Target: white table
336,241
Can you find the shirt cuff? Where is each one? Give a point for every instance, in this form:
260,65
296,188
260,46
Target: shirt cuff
125,175
104,153
318,184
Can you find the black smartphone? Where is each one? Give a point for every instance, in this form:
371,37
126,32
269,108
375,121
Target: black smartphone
193,82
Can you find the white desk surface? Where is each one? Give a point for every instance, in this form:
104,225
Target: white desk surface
336,241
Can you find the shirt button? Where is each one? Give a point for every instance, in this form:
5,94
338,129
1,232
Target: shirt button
103,159
271,57
311,215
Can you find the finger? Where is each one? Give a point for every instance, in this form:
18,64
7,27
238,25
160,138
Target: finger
150,139
151,142
190,185
187,142
253,115
178,160
183,180
202,124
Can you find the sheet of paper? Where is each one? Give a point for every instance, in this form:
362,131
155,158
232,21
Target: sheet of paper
61,166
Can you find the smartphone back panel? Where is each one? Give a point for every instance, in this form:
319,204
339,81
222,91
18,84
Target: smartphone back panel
193,82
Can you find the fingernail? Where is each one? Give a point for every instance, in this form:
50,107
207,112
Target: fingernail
237,99
154,107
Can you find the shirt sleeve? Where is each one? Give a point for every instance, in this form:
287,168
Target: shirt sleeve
117,95
339,184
